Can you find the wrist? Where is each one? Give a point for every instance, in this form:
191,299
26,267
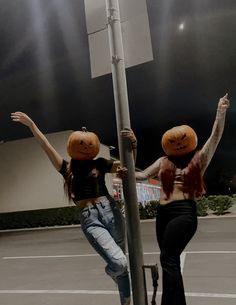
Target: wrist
31,125
134,144
220,114
221,110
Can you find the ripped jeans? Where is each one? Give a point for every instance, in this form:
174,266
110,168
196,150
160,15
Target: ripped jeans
103,226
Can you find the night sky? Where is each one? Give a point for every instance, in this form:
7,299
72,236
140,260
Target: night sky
193,67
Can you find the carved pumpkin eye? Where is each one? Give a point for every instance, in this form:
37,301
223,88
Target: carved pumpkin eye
83,145
179,140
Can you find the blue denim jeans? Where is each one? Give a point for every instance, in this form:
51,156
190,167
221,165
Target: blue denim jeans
176,223
103,226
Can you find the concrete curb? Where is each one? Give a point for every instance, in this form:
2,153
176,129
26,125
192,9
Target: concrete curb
211,216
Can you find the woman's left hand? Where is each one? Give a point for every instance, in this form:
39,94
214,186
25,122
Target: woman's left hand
128,133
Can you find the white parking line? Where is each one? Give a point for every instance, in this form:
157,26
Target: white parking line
197,252
211,252
49,256
92,255
182,261
111,292
58,291
211,295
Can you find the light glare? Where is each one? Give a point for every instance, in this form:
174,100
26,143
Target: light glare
181,26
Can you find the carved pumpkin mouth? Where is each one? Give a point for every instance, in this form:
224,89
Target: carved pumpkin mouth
85,152
181,147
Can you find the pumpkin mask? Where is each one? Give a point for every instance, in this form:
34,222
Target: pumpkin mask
179,141
83,145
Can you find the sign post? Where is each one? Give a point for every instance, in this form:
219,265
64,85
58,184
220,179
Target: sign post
126,156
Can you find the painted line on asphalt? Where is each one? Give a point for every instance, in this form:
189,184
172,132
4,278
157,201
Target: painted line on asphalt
93,255
42,291
211,295
49,256
182,261
111,292
198,252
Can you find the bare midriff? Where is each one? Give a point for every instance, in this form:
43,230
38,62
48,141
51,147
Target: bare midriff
177,194
89,201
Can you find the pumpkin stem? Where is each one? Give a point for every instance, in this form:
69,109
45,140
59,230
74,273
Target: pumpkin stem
84,129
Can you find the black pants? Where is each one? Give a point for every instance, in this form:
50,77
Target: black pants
176,224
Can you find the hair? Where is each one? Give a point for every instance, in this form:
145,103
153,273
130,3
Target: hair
68,180
191,171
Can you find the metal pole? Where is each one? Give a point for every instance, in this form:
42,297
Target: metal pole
129,183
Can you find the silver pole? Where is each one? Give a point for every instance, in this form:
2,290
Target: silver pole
129,183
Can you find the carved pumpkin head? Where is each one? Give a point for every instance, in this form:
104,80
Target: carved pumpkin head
179,141
83,145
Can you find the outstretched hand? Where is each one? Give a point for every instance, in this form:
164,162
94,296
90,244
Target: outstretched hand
21,117
224,102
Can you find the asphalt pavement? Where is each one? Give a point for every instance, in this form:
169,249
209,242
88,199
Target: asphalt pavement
58,267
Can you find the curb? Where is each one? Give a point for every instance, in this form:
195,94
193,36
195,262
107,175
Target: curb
230,215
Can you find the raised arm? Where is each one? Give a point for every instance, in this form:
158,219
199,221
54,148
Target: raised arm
209,148
52,154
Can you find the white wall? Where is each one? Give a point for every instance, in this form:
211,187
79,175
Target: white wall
28,180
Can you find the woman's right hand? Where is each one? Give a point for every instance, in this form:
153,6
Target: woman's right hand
52,154
22,118
121,171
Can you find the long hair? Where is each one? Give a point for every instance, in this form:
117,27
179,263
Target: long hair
189,164
68,179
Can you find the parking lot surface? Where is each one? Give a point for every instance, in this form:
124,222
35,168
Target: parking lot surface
58,266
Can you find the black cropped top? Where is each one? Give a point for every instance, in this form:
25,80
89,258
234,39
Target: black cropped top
88,177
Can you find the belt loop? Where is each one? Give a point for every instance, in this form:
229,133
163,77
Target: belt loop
107,199
89,210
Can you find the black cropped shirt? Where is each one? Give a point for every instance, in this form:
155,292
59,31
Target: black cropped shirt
88,177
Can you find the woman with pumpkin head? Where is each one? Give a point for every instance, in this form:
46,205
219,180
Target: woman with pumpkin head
181,175
84,182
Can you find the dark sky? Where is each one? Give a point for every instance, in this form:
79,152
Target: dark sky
191,70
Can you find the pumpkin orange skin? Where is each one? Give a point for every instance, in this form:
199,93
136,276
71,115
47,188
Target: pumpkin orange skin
179,141
83,145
